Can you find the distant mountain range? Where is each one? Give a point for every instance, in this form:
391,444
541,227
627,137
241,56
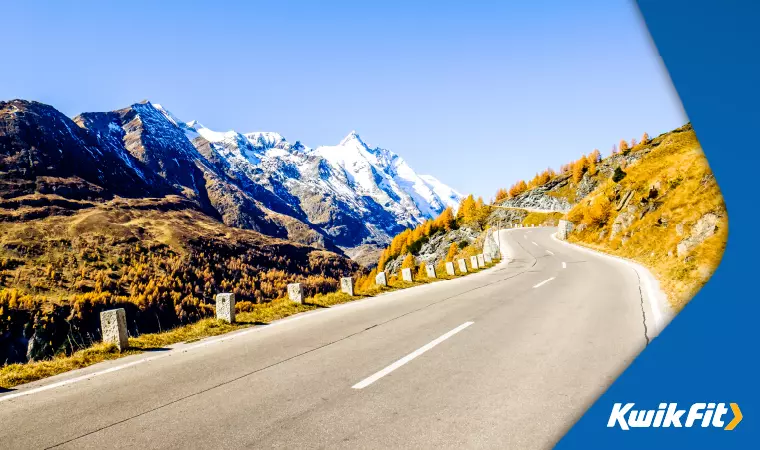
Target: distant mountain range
346,195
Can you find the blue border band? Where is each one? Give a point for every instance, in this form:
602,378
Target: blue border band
710,352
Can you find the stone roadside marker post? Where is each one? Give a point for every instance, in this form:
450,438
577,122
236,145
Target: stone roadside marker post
406,275
295,292
487,258
450,269
430,269
474,262
462,265
113,326
347,285
481,260
225,307
381,279
565,227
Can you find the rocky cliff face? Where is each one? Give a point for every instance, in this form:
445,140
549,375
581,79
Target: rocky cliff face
545,198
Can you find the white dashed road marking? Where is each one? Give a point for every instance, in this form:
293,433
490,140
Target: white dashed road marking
543,282
377,375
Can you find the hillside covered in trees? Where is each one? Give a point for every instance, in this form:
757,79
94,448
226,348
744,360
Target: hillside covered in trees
653,200
448,237
664,211
160,260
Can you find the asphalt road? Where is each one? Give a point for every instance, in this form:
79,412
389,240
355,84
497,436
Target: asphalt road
506,358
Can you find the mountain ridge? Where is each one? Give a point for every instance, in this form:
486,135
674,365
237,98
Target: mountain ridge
336,197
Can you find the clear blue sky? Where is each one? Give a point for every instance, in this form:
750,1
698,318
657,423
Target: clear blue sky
477,95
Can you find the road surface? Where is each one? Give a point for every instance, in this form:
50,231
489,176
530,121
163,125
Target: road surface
506,358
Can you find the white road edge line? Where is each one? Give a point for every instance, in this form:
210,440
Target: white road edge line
543,282
550,252
377,375
564,265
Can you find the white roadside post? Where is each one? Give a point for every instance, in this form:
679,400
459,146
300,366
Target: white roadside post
406,275
113,326
450,268
462,265
295,292
347,285
564,229
381,279
474,262
430,269
225,307
481,260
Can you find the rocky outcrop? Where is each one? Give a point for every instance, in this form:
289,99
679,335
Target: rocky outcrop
702,229
586,186
623,220
540,198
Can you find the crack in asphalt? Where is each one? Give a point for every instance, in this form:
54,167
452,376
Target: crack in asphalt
643,311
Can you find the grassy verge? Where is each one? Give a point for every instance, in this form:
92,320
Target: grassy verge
16,374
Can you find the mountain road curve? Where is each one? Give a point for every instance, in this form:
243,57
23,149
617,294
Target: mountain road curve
509,357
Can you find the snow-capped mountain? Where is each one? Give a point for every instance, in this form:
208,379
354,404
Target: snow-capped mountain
344,195
354,193
397,185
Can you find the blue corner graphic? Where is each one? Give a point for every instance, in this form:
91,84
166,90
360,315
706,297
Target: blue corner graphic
709,353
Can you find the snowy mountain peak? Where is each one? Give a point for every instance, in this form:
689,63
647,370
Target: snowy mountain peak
352,138
266,139
344,182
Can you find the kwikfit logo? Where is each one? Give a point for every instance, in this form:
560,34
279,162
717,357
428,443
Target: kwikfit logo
669,415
